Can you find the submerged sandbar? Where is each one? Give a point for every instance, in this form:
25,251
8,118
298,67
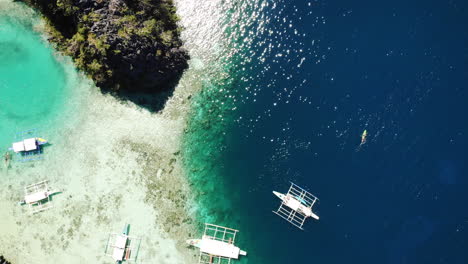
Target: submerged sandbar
116,163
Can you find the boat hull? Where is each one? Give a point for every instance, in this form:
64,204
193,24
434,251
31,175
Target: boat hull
296,205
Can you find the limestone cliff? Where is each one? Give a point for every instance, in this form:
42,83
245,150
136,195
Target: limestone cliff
123,45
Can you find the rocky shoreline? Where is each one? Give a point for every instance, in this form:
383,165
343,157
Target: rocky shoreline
123,45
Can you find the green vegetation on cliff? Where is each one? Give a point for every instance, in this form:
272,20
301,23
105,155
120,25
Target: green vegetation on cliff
122,44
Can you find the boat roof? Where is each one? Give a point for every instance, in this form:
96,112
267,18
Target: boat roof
35,197
118,254
25,145
217,245
293,203
30,144
219,248
121,241
18,146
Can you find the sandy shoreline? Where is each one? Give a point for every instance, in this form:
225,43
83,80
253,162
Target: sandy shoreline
116,163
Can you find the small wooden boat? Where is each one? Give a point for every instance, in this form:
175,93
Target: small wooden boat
37,196
297,204
29,144
216,244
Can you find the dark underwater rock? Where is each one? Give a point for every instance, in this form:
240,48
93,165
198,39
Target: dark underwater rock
123,45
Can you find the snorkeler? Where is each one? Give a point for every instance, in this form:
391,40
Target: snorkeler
364,137
363,140
7,158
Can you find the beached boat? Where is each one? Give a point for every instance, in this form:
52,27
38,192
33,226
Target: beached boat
296,205
217,245
37,196
122,247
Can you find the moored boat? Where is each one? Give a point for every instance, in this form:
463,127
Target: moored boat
297,204
216,244
7,159
122,247
29,144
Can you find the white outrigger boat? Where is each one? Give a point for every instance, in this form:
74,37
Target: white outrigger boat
29,144
37,196
296,205
122,247
217,245
7,159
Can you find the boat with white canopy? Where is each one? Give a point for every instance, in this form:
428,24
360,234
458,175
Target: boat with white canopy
122,247
217,245
28,146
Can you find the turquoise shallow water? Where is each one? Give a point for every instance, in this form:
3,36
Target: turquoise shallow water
32,82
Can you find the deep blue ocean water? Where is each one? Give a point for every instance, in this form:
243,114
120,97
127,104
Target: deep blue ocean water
307,79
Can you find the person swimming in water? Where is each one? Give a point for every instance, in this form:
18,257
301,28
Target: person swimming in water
7,158
363,139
